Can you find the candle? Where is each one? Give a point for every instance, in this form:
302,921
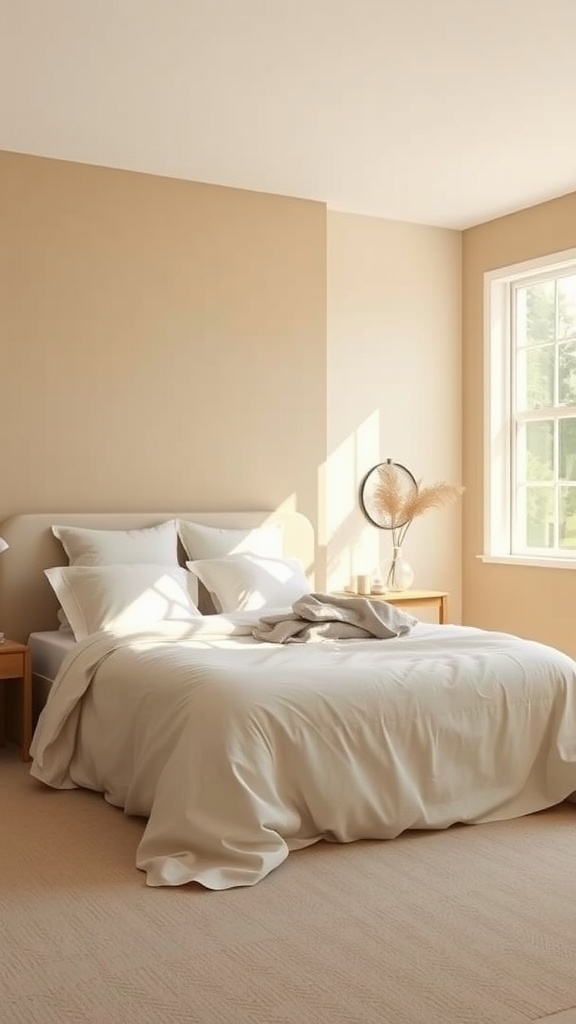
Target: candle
364,584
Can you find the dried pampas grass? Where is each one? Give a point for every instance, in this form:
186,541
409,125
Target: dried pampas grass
392,494
435,495
401,503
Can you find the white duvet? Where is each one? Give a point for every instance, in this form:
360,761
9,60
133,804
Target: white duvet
239,751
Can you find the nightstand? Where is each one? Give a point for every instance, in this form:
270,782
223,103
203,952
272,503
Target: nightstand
15,666
436,598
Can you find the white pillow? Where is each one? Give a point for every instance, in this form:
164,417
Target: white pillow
248,582
201,541
121,598
153,544
64,625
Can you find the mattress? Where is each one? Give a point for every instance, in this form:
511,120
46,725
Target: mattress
48,650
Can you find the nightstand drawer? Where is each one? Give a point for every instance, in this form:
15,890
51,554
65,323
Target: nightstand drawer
11,666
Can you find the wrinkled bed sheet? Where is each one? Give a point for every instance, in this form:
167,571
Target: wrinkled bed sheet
239,751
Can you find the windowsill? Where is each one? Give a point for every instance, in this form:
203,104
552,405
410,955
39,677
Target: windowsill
535,561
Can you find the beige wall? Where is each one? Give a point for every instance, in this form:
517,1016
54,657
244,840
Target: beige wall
394,388
163,343
533,602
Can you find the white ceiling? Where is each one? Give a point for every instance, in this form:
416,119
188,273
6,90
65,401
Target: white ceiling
443,112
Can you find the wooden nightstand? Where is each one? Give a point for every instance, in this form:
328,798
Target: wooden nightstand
15,665
437,598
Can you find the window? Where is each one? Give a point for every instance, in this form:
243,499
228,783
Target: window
530,444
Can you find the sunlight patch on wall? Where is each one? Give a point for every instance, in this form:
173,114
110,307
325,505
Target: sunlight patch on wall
352,545
290,504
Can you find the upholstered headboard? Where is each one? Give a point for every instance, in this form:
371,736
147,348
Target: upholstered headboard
27,602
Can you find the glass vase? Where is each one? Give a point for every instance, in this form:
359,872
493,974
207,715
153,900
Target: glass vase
398,573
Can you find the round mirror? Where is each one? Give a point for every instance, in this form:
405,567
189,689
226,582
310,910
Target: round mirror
386,495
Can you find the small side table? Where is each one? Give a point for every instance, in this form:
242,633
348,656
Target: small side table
15,665
437,598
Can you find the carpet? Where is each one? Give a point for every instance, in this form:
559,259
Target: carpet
473,925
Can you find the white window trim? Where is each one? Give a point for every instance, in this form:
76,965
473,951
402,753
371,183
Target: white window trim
497,412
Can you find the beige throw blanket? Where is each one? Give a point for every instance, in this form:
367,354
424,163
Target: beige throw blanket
316,617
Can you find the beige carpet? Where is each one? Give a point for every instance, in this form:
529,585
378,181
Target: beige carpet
476,925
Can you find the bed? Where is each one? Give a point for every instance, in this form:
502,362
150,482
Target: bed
239,751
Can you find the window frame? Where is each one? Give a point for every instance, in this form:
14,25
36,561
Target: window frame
499,414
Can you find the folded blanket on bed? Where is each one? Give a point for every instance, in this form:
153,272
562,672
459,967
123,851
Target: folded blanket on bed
316,617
